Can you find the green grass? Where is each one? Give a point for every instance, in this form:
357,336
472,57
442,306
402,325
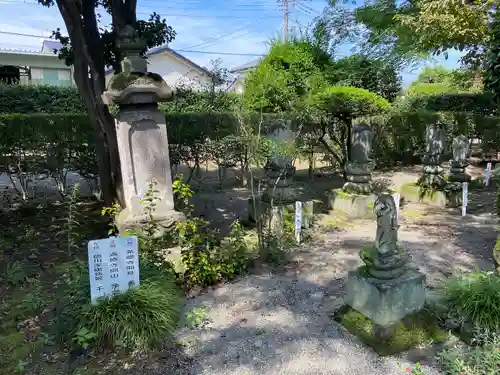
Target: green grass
475,297
414,330
476,360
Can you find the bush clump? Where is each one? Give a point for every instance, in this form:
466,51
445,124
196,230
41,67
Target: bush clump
138,318
475,298
476,360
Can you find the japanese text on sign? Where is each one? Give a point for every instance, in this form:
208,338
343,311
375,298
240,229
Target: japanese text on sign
113,266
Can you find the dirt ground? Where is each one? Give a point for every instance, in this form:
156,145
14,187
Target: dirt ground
280,323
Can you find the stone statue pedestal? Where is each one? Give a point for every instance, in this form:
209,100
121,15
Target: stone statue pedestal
359,177
356,206
143,148
458,171
384,289
385,301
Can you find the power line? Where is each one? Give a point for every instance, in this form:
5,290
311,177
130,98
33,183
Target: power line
221,37
222,53
188,15
177,50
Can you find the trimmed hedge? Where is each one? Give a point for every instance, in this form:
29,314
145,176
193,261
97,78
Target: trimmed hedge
19,99
481,103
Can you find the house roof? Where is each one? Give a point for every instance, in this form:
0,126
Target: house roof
249,65
165,49
50,46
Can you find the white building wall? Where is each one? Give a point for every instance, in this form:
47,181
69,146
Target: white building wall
176,72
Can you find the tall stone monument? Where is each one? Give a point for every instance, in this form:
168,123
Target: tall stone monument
359,169
459,163
142,136
280,194
434,146
385,290
355,198
279,169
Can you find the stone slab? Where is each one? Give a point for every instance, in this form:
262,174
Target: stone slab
385,302
413,193
353,205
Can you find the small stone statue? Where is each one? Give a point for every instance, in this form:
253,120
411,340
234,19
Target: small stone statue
359,169
460,149
387,226
385,260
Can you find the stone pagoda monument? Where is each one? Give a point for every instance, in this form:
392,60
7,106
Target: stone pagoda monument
355,198
142,136
434,146
459,163
385,290
359,168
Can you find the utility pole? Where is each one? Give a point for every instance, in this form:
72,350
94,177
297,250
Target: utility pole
285,14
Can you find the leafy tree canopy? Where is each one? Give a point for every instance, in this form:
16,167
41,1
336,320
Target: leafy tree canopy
373,75
412,29
90,47
438,80
286,75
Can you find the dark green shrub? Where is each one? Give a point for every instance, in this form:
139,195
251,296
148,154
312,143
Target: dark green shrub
19,99
478,103
475,297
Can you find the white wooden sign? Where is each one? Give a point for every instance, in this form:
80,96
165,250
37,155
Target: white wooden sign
298,220
113,266
465,197
487,174
397,198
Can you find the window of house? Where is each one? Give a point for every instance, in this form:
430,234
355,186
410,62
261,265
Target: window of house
51,77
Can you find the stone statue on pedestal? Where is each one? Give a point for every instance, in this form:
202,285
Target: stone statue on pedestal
385,290
385,260
459,162
359,169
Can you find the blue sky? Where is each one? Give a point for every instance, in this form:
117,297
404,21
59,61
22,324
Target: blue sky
208,27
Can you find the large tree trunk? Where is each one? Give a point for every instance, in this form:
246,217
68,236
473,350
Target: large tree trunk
82,26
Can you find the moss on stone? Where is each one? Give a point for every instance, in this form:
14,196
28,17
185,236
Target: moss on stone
122,80
339,193
415,330
420,193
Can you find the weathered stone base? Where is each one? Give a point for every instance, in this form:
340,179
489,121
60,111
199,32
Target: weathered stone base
459,177
127,221
413,193
353,205
385,302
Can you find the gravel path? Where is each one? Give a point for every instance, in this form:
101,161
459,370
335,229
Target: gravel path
280,324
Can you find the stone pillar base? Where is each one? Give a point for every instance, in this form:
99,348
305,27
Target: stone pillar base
165,220
414,193
459,177
353,205
385,302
